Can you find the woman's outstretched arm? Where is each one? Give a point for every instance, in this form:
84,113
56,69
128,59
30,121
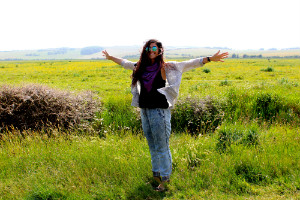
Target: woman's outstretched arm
216,57
112,58
199,62
125,63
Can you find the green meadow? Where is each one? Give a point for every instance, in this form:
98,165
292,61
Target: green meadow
235,135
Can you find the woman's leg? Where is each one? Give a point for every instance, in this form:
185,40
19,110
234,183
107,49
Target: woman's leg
150,140
157,129
161,128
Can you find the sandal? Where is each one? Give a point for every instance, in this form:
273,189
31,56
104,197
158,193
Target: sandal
156,180
162,185
160,189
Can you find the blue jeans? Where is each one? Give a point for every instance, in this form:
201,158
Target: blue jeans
157,129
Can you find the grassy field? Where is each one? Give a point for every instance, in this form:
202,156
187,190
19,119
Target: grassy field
251,154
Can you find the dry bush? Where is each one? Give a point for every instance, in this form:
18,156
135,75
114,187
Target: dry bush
38,107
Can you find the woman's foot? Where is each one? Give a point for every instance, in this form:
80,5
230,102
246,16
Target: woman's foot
156,180
162,185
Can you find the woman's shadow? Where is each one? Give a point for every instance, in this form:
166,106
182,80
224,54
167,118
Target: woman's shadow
146,191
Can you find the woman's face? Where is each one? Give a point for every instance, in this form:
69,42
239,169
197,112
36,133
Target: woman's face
152,51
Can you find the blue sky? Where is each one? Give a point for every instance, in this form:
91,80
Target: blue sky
37,24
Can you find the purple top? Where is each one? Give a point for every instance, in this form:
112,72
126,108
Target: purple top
149,75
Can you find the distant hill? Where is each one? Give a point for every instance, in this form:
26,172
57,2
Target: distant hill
133,52
50,54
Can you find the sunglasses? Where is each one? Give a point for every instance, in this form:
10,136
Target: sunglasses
153,49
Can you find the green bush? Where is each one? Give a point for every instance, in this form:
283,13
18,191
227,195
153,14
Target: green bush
206,70
250,172
267,106
196,116
250,138
268,69
225,82
226,137
236,134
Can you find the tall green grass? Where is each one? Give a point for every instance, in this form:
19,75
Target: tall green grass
263,106
119,167
119,115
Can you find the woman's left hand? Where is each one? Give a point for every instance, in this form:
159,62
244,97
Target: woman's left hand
218,57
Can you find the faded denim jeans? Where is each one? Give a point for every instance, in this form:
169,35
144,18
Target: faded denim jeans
157,129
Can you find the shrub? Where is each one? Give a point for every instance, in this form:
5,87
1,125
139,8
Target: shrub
206,70
225,82
228,136
250,138
267,106
236,134
250,172
37,107
268,69
196,116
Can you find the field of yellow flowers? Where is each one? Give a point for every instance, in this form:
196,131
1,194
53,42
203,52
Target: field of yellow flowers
108,79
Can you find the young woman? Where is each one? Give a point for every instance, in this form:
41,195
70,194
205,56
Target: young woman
155,87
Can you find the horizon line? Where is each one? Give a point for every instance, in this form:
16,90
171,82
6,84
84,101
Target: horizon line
167,46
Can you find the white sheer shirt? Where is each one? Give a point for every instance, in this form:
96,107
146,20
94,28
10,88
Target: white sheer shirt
173,75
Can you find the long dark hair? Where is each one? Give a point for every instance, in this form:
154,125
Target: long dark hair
146,61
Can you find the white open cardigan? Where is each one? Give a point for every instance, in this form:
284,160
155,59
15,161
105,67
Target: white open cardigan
173,75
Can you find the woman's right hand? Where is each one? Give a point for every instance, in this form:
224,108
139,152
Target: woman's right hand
107,56
112,58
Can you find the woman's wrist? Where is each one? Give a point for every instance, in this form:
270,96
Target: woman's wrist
206,60
109,57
